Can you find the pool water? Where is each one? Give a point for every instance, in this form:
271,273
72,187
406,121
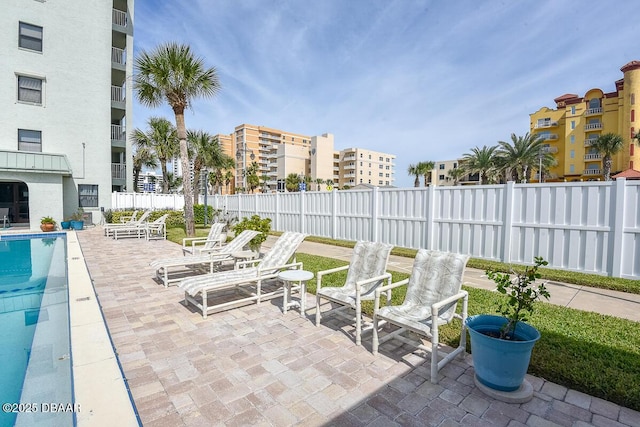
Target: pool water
35,366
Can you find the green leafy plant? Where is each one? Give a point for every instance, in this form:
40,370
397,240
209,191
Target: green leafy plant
263,225
78,215
521,294
47,220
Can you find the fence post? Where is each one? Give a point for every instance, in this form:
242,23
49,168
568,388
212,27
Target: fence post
507,221
301,211
617,228
430,218
276,224
374,214
334,214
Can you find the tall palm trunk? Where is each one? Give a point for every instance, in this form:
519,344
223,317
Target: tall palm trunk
416,183
186,182
165,177
607,162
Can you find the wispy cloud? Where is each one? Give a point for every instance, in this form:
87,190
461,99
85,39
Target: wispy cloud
419,79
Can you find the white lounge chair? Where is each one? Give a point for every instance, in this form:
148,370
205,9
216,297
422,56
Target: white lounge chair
251,276
146,228
4,217
199,245
109,228
170,270
433,291
366,271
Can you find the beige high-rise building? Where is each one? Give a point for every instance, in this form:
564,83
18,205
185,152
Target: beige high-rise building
276,154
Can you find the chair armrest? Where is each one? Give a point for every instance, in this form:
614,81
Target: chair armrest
360,283
319,274
290,266
435,308
382,289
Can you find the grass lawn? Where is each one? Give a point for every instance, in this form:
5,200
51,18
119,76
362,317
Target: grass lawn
592,353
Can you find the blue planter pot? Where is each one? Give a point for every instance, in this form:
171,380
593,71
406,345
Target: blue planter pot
65,225
77,225
500,364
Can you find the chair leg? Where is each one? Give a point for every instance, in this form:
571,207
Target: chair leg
358,322
374,339
434,352
317,309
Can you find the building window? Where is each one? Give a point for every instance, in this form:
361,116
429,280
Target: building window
572,153
360,180
441,177
379,182
30,37
572,169
361,172
29,140
369,182
631,149
573,124
380,174
573,110
386,182
381,166
388,160
88,196
386,167
594,103
455,165
369,173
360,155
633,115
572,138
360,163
380,158
30,90
369,156
633,99
441,167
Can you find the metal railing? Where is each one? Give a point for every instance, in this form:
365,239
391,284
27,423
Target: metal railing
594,156
118,56
119,17
591,126
547,124
118,133
118,171
548,136
589,142
592,172
117,94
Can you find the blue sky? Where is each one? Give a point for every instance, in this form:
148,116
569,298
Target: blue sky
424,80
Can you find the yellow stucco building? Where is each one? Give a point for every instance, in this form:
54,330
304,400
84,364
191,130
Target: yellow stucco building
570,129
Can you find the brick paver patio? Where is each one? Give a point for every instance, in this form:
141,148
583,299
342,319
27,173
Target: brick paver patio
255,366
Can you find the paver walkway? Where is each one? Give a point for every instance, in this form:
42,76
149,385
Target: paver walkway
255,366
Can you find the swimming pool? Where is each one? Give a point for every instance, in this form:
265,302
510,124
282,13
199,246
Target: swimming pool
35,367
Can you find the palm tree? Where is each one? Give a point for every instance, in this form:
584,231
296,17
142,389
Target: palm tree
265,179
481,161
199,144
319,182
173,74
143,157
228,177
608,145
292,182
456,174
162,140
517,158
172,182
414,170
425,169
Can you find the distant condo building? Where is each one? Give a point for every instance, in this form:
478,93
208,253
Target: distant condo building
65,103
279,153
570,130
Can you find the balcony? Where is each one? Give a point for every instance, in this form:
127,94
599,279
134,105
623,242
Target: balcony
546,124
119,19
118,58
593,111
350,166
590,141
350,175
118,97
349,157
592,156
549,150
548,136
592,172
593,126
118,171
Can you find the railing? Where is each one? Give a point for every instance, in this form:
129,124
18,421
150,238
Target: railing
592,172
349,166
118,171
349,157
119,17
592,111
589,142
545,125
119,56
117,94
549,149
548,136
592,156
350,175
118,133
592,126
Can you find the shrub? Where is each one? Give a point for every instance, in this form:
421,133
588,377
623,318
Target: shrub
263,225
198,214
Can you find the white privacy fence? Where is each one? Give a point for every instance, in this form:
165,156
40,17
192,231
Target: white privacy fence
591,227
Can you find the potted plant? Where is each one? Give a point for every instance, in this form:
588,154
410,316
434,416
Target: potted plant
77,219
65,224
47,223
263,225
501,345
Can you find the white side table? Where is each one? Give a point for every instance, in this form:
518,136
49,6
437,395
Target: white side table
288,277
243,256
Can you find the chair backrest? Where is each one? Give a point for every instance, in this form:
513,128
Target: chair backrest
160,220
4,212
238,242
214,235
369,259
435,276
142,218
134,215
283,249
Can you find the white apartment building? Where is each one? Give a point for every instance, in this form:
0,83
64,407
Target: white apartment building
65,100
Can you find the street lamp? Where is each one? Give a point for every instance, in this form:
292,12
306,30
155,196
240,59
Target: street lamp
241,153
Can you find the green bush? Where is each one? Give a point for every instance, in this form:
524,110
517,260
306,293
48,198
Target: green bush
263,225
198,214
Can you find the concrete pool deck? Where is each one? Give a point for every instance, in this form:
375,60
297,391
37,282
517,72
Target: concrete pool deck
255,366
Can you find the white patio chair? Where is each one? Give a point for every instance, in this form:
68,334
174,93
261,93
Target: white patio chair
147,229
246,279
156,229
109,228
433,290
170,270
198,245
366,271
